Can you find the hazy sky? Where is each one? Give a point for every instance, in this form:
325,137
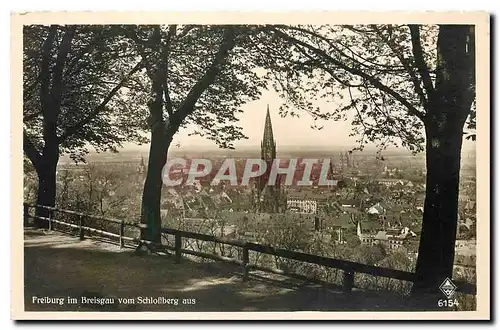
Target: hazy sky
287,131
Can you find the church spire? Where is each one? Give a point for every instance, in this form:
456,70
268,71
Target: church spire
268,193
268,129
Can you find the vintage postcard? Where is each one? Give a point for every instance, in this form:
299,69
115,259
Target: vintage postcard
230,165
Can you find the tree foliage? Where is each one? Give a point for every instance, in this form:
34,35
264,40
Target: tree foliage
84,88
179,56
379,76
195,77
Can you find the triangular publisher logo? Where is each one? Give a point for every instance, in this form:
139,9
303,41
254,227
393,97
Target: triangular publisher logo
448,288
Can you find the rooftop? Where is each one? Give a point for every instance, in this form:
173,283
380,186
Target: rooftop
307,194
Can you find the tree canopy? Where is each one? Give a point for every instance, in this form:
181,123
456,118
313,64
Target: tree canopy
381,76
74,76
180,56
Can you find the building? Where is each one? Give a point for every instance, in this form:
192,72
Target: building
346,160
376,209
393,182
348,203
307,206
392,239
268,195
338,225
308,201
301,202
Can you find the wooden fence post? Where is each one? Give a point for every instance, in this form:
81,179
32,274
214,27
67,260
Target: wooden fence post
81,224
26,214
348,280
50,219
122,230
246,261
178,247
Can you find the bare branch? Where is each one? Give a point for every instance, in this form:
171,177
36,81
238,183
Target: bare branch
357,110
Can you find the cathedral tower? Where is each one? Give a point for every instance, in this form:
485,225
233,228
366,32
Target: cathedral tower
268,194
268,144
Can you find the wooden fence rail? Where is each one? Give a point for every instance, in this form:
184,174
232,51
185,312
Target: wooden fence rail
349,268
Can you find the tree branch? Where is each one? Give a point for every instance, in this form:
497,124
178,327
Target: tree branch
353,54
73,129
45,71
168,102
31,116
374,81
357,110
74,64
422,67
406,65
31,151
185,30
157,68
329,70
187,106
56,90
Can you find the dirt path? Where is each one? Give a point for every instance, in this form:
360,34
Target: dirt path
61,266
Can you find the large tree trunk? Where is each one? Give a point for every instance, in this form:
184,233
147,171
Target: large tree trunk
51,89
163,131
439,225
151,196
46,194
447,110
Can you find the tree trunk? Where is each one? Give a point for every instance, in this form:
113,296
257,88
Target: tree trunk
447,110
163,131
151,196
439,225
46,194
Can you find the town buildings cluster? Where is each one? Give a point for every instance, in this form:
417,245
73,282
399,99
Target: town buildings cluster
367,199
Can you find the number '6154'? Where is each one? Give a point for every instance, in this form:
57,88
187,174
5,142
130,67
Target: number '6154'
447,302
